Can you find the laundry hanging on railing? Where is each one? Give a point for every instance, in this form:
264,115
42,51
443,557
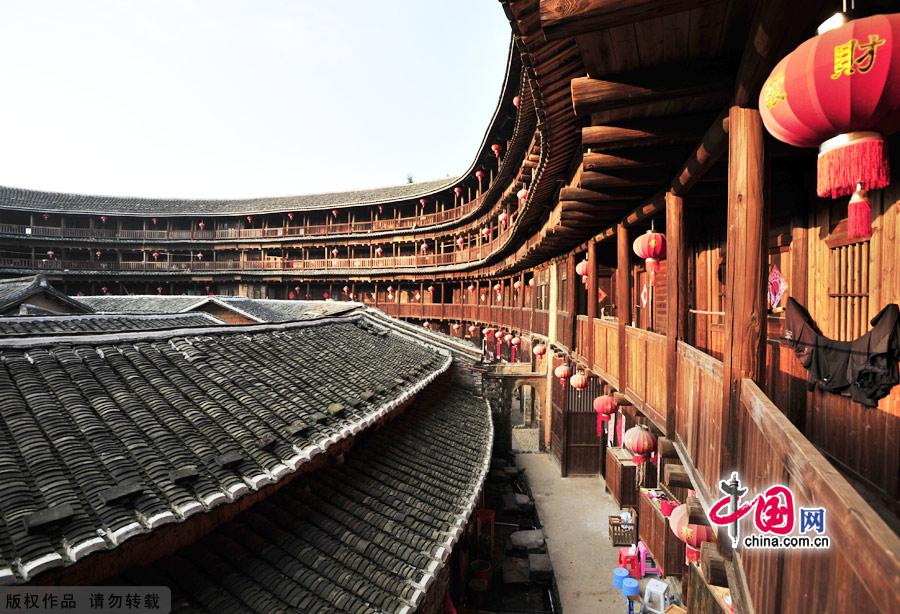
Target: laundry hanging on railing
864,369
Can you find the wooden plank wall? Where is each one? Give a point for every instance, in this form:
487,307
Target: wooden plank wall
606,350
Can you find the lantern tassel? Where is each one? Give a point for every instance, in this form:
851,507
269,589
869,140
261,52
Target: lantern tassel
859,158
859,216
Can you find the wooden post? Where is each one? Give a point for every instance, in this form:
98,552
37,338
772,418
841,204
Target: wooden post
570,301
623,294
588,352
676,295
745,315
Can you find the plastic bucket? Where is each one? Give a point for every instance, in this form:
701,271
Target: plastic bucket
480,569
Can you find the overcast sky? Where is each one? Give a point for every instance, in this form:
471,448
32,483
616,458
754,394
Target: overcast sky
238,98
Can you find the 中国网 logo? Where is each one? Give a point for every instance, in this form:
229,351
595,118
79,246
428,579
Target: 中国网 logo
774,516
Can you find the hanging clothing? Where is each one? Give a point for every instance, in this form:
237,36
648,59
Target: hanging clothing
864,369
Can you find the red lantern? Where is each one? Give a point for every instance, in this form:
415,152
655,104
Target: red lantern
98,254
517,285
472,328
503,218
496,148
390,289
297,289
562,372
605,406
479,174
523,196
102,219
457,190
581,268
423,248
460,242
155,255
691,534
104,289
454,326
840,91
346,289
249,219
579,381
515,341
640,442
201,225
46,216
497,287
200,256
334,213
487,332
423,202
471,288
159,290
291,295
651,246
325,295
153,221
426,324
334,252
50,254
531,282
516,101
290,216
507,337
539,350
485,232
379,251
430,289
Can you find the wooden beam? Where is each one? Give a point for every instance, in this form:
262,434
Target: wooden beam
713,565
623,294
713,144
561,18
665,448
591,180
696,515
676,293
643,157
661,83
592,196
621,400
675,476
591,302
645,132
745,260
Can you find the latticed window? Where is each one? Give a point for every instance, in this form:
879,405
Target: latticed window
848,290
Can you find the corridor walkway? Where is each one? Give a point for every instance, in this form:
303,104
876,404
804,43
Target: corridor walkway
574,513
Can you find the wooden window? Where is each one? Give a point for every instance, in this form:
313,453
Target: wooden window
848,290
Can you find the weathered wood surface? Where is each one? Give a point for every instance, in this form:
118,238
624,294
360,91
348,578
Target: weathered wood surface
645,132
606,350
621,477
645,373
667,550
561,18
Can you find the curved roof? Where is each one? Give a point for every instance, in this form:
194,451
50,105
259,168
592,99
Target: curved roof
58,202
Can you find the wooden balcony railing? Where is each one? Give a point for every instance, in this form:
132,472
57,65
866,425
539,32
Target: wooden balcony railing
645,375
402,223
606,350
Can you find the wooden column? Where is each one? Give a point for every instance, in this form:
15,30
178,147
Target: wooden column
745,314
623,295
588,352
570,301
676,295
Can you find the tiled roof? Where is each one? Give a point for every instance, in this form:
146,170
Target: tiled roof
367,536
109,436
141,303
17,289
33,200
98,323
273,310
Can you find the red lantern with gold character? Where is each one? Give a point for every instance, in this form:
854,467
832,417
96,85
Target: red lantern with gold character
840,91
651,246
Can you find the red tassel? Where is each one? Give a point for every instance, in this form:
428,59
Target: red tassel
859,216
842,168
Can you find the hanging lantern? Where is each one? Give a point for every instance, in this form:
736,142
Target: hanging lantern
514,344
102,219
46,216
562,373
840,91
153,221
531,282
496,148
460,242
346,289
201,225
334,252
380,209
523,196
98,254
200,256
297,289
515,341
458,191
291,295
325,295
249,219
390,289
471,288
430,289
517,285
50,254
651,246
104,289
480,175
454,326
379,252
507,337
516,100
581,268
539,350
605,406
497,287
640,442
692,535
503,218
424,248
426,324
334,213
159,289
486,232
472,328
487,332
290,216
579,381
155,255
423,202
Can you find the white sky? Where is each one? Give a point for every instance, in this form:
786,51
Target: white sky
239,98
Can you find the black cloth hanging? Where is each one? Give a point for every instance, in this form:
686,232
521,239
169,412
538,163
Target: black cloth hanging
864,369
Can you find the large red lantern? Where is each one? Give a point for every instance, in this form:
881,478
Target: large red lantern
840,91
693,535
640,442
651,246
605,406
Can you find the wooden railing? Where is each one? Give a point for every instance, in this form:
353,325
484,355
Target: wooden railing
645,372
606,350
401,223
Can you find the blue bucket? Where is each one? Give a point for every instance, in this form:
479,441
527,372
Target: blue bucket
630,587
619,574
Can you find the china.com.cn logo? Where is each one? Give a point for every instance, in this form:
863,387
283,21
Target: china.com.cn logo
774,518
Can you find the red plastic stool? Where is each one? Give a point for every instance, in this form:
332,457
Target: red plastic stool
630,561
